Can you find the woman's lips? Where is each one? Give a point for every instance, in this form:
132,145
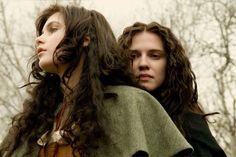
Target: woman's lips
144,77
39,50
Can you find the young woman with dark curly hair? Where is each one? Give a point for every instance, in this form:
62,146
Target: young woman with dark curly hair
79,103
161,66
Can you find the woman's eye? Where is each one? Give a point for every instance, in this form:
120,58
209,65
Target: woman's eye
134,55
52,30
155,56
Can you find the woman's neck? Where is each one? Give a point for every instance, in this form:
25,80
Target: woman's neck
74,79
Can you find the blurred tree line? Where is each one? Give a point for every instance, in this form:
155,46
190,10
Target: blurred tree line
207,29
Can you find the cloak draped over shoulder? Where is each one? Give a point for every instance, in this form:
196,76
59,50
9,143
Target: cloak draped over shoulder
133,121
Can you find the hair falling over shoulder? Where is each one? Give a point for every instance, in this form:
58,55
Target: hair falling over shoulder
178,93
104,64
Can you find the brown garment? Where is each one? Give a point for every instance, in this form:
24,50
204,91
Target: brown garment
55,146
56,150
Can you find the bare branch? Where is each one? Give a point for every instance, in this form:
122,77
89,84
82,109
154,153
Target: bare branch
16,64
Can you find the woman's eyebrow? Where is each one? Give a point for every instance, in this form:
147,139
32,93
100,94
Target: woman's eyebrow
48,25
134,50
157,50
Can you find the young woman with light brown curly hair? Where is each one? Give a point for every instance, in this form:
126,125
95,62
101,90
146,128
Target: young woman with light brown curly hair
161,66
79,102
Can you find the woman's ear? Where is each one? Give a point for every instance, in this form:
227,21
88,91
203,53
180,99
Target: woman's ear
86,41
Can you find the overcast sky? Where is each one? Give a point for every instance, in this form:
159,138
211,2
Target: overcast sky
120,13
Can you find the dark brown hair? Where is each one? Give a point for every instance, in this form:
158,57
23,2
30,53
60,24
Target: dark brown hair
178,93
104,64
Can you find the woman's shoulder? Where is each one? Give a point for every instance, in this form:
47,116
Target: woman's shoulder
199,135
131,93
196,124
136,121
124,89
132,97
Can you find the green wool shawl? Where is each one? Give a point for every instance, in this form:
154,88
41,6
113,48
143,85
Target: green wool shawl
133,121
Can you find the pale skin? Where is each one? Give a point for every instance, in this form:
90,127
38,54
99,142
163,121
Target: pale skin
149,60
52,34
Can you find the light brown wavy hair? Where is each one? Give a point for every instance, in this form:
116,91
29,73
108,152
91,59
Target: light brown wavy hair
104,64
178,94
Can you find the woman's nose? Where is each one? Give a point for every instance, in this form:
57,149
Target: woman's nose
143,62
39,40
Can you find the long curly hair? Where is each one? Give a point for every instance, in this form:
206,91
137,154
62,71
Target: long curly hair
104,64
178,94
